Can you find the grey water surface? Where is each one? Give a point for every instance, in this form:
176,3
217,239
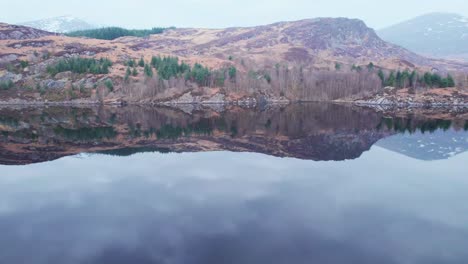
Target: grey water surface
301,184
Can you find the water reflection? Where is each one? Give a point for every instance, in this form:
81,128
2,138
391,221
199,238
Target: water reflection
305,131
143,185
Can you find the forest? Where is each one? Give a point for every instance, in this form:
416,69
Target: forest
111,33
80,65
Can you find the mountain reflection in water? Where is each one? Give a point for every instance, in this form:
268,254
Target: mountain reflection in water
208,186
304,131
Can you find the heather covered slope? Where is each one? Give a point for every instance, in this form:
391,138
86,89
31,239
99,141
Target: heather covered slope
319,59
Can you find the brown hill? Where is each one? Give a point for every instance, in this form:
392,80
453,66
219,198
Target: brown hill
298,57
19,32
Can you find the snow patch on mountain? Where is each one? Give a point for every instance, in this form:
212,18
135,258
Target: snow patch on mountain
63,24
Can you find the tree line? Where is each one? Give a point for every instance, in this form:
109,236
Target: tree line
111,33
80,65
412,79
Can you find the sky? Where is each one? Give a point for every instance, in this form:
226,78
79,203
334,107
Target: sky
222,13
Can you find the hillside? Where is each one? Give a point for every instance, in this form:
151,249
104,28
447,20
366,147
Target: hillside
319,59
63,24
436,35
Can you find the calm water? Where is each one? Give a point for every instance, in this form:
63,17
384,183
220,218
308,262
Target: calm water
298,184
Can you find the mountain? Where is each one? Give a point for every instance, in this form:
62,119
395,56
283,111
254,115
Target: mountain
437,145
320,59
436,34
13,32
63,24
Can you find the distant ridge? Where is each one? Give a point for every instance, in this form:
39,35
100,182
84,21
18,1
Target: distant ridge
62,24
434,34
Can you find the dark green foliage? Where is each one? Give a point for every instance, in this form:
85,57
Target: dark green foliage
126,152
466,125
428,79
141,62
435,80
356,68
230,58
381,76
391,80
6,85
80,65
127,74
109,84
337,66
135,72
403,125
168,67
267,77
200,75
370,66
86,134
131,63
232,73
9,121
412,78
110,33
406,79
450,81
24,64
148,70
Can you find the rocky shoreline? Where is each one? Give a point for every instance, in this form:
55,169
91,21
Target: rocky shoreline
405,98
389,98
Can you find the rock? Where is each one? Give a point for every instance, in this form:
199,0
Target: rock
63,75
52,84
6,76
218,98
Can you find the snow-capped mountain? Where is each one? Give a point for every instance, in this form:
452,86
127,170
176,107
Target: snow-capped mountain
436,34
63,24
438,145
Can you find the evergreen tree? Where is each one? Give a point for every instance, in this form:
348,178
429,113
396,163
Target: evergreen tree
412,79
232,73
337,66
134,72
148,70
128,73
370,66
450,81
391,81
428,79
381,75
111,33
141,63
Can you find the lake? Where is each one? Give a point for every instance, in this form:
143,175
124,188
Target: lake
304,183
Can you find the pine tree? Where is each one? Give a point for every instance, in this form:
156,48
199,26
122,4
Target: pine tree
141,63
232,73
337,66
148,70
135,72
391,81
128,73
381,75
450,81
